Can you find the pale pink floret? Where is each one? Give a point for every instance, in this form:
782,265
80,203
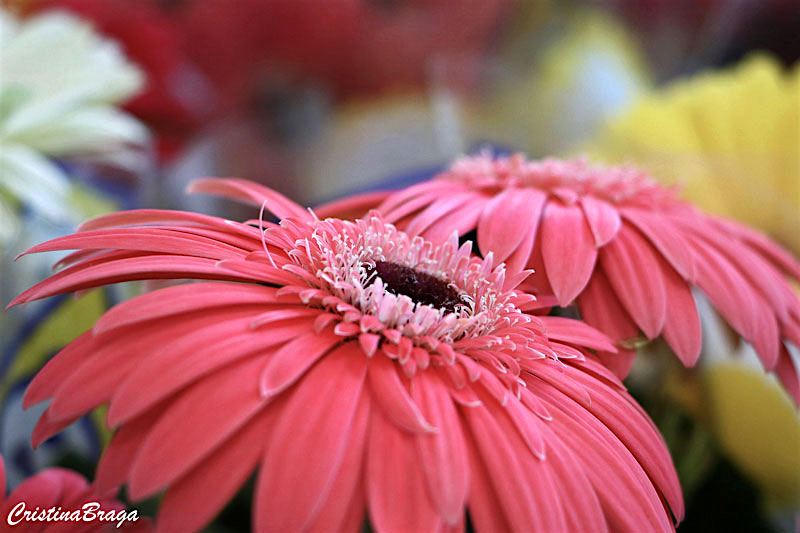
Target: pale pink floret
617,244
349,400
67,492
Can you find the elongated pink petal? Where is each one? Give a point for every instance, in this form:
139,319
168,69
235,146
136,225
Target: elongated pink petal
142,239
396,493
298,469
667,239
568,250
193,500
393,398
459,220
761,243
442,456
759,272
99,375
48,426
642,439
408,200
294,359
600,308
743,308
251,193
583,510
609,466
352,206
115,464
575,332
181,299
56,370
682,329
156,217
603,219
484,506
632,267
439,210
189,358
81,277
507,219
346,496
197,421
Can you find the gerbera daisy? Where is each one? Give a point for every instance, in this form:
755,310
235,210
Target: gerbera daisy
54,500
362,371
622,247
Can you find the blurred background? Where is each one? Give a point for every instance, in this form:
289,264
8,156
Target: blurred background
108,104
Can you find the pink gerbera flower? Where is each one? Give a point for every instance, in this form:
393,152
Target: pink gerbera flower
362,371
61,501
616,243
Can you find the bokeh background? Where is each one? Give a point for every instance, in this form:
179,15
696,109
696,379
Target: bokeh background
108,104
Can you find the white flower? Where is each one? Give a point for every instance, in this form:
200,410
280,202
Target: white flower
59,83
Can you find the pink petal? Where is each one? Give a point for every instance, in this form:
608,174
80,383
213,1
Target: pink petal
56,370
583,510
634,271
763,244
600,308
568,249
307,445
294,359
115,463
181,299
667,239
628,498
396,491
760,273
603,219
198,420
682,329
459,220
112,359
506,221
398,205
142,239
48,426
503,454
152,217
625,418
251,193
577,333
81,276
351,206
484,507
438,210
443,455
189,358
391,396
194,499
738,303
345,507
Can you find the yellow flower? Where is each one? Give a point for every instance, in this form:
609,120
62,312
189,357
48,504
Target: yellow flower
731,139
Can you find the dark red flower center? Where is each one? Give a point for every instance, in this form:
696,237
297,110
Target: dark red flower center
421,287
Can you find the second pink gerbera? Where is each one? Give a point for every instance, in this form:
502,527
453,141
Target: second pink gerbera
361,371
616,243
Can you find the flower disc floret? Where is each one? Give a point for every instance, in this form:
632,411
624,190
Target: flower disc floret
342,258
